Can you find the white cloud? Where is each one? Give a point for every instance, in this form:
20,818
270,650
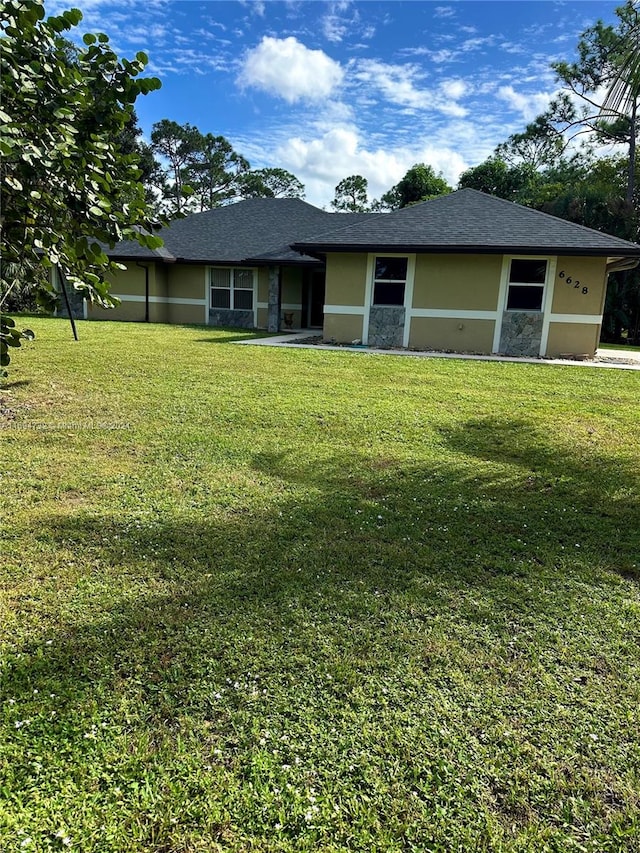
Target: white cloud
290,70
528,105
256,6
397,83
443,12
454,89
322,162
477,43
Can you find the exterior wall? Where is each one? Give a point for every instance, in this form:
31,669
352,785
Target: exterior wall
343,328
457,303
262,318
345,297
126,311
575,319
466,282
128,282
443,333
452,302
263,285
346,279
187,293
572,339
187,281
568,297
291,297
176,294
233,319
128,285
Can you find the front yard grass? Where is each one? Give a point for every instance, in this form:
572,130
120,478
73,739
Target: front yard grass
258,599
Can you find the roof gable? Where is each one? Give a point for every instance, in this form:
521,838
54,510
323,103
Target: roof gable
277,230
469,221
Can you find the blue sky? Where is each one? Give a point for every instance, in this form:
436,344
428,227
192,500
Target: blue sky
330,89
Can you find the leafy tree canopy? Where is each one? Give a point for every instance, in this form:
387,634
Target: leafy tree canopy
420,183
607,63
66,184
351,195
270,183
202,171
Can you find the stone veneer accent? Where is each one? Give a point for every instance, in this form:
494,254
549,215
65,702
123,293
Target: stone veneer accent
521,333
232,318
386,325
273,310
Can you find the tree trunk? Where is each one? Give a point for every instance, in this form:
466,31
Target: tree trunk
631,176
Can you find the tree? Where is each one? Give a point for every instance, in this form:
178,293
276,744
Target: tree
495,177
539,145
177,145
198,171
270,183
216,172
607,63
66,186
130,142
351,195
623,96
420,183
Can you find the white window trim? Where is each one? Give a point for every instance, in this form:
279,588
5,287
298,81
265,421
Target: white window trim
511,284
405,281
547,296
232,270
369,290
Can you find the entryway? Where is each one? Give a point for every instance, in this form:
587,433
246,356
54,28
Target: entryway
313,299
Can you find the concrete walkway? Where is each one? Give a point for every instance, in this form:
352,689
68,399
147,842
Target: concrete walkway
615,359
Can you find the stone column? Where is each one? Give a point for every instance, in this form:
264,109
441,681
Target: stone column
273,311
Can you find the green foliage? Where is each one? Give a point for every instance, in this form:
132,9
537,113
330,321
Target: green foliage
67,188
176,145
270,183
217,171
201,171
10,336
539,145
351,195
497,178
420,183
582,189
607,62
290,601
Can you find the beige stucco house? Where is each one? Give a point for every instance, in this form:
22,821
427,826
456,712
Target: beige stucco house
466,272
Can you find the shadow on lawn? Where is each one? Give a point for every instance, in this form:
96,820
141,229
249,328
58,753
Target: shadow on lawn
354,535
228,336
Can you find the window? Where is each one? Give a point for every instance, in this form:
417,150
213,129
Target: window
231,288
526,284
390,278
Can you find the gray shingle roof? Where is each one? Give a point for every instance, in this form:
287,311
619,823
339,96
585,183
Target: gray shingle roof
468,221
260,229
132,249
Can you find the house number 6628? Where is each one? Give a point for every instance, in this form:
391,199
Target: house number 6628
570,281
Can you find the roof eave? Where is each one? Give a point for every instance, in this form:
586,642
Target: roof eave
323,249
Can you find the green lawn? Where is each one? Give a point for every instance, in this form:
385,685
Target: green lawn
620,347
258,599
